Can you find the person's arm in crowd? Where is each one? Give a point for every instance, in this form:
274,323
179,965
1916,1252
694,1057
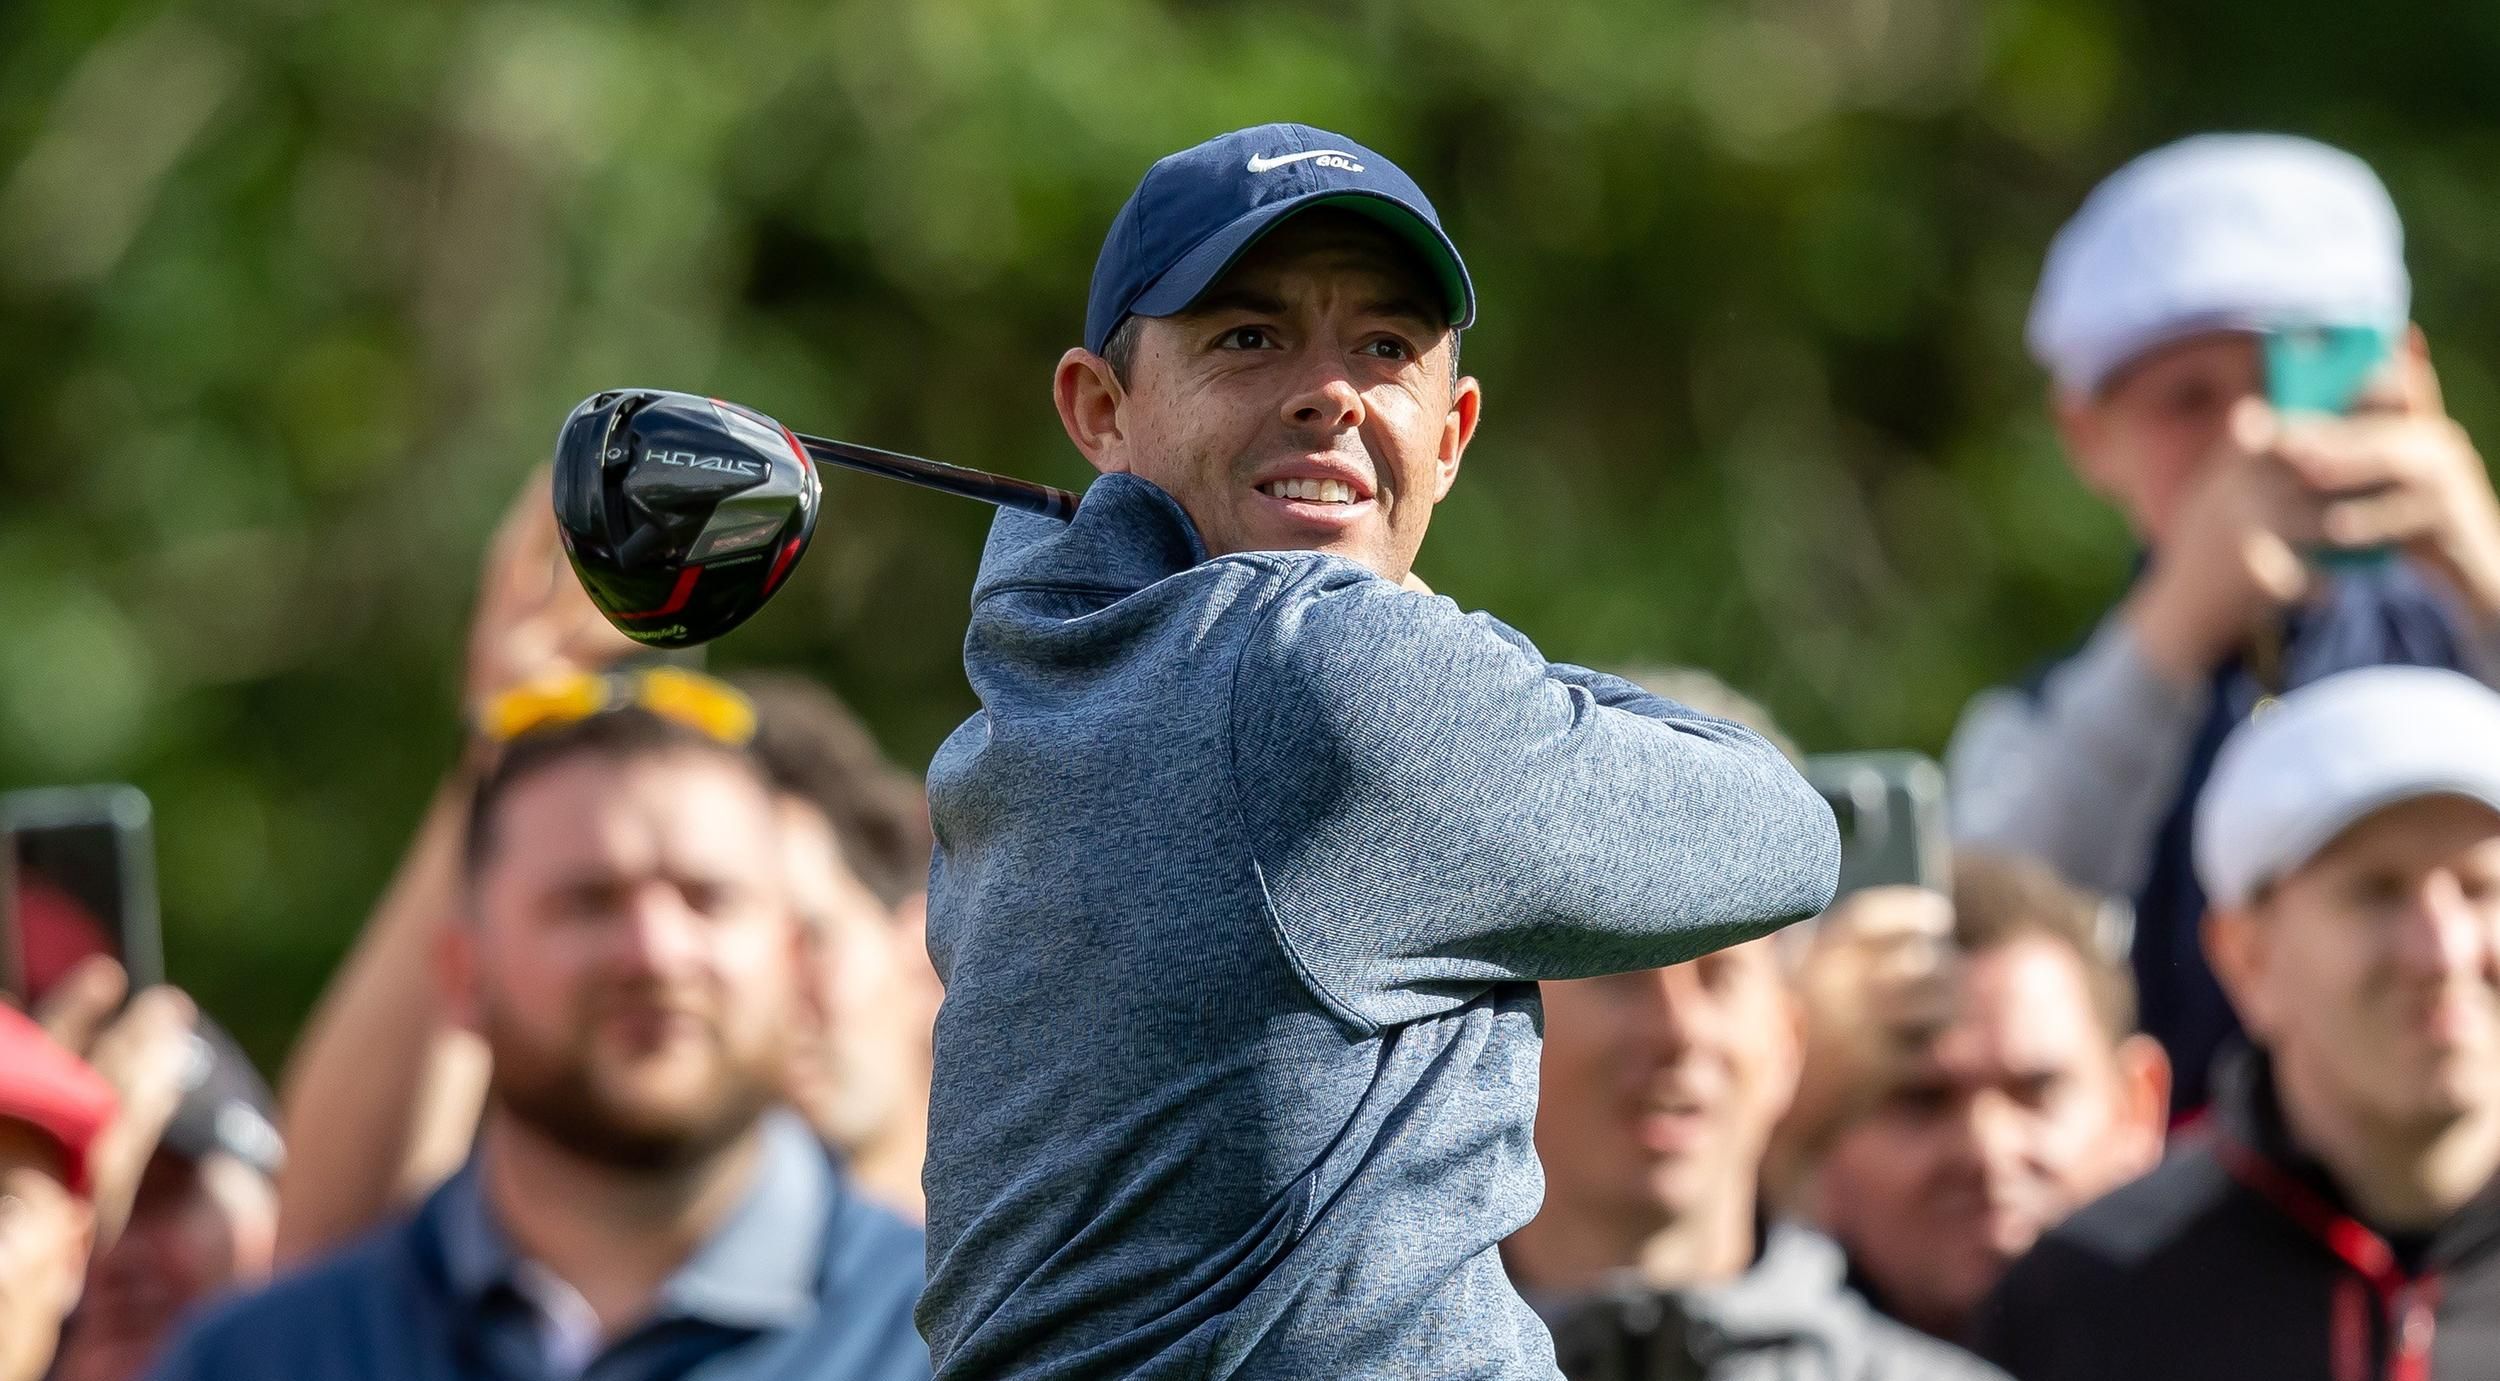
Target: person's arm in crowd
2081,773
380,1099
381,1096
1433,806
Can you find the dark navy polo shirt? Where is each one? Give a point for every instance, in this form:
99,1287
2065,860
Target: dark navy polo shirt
806,1281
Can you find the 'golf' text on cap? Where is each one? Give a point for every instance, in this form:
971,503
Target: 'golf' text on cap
1197,211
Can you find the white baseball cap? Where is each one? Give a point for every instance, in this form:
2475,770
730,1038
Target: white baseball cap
2323,757
2217,232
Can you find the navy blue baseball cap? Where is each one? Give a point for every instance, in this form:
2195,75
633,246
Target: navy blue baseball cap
1197,211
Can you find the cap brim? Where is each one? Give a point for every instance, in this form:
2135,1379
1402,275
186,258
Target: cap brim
2307,838
1195,272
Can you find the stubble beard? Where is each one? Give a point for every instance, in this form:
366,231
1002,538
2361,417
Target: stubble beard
556,1095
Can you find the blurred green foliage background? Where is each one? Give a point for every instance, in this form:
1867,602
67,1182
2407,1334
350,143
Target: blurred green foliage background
292,294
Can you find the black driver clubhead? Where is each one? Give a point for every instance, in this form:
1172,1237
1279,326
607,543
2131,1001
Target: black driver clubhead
682,514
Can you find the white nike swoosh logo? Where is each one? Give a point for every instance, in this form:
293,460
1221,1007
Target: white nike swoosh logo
1262,164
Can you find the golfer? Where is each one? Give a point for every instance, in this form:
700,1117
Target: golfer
1248,867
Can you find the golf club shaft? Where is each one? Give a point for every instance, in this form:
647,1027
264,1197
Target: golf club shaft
938,475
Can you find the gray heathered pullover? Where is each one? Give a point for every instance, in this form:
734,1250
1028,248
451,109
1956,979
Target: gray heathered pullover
1244,875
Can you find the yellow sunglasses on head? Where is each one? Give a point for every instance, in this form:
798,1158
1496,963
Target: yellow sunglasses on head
715,708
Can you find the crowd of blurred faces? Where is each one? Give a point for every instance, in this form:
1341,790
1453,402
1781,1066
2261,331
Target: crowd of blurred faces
2191,1065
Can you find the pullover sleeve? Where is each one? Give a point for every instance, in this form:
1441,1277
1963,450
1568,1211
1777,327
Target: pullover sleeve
2080,775
1432,807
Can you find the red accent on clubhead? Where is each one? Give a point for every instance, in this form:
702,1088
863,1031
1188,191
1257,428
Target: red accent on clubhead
781,565
677,597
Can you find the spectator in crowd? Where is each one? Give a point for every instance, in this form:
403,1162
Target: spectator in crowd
204,1220
1651,1256
2278,548
2339,1216
85,1091
1983,1112
52,1109
857,828
639,1202
382,1094
380,1097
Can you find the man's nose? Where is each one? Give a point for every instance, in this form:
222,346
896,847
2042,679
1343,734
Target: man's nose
1325,398
659,932
2444,933
1669,1015
1987,1133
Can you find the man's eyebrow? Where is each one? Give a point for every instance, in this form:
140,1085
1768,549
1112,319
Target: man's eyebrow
1256,303
1408,309
1238,300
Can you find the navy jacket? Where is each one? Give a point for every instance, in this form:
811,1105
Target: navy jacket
1244,873
805,1282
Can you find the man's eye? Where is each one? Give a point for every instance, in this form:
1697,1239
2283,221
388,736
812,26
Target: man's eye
2034,1090
2194,399
1920,1101
589,901
1390,349
2380,889
1246,338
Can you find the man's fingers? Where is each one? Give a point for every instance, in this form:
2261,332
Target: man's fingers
146,1055
75,1011
533,619
2336,455
526,555
149,1043
2421,380
2388,518
2332,455
2276,566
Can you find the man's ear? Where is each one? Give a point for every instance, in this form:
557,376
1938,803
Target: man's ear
2083,432
1788,1025
456,969
2422,394
1458,427
1089,398
2144,1099
812,982
2237,955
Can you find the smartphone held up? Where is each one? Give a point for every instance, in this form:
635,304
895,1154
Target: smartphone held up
77,878
2324,370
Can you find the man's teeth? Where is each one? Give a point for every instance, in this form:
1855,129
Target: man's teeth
1315,491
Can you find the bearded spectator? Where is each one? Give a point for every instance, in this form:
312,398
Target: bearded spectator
639,1203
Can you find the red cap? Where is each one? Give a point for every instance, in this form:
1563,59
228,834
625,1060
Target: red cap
53,1091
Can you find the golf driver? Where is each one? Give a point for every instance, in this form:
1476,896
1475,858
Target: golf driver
682,514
